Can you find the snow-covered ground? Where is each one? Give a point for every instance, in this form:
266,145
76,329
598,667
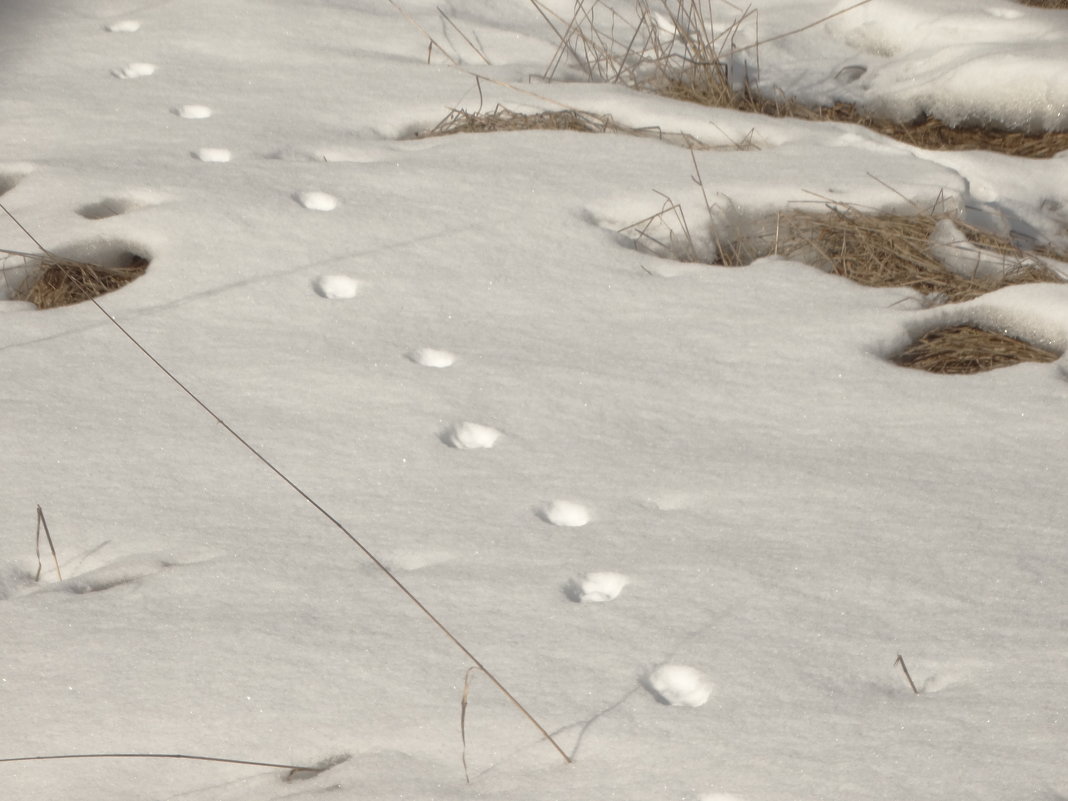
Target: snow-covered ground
689,515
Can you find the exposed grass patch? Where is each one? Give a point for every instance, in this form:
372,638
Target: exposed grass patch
966,349
1045,3
674,50
504,119
49,281
934,253
904,250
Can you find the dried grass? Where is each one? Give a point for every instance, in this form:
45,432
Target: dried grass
895,250
1045,3
503,119
672,49
966,349
51,281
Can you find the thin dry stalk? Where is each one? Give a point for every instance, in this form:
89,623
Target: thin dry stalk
292,768
42,523
901,661
464,36
963,349
666,233
463,719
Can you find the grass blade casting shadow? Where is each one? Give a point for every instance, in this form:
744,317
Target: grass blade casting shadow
337,524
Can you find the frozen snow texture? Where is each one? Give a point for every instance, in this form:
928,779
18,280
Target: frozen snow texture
336,287
597,587
316,201
137,69
431,357
216,155
680,685
193,111
564,513
123,26
469,436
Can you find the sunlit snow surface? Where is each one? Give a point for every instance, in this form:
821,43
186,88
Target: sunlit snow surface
768,503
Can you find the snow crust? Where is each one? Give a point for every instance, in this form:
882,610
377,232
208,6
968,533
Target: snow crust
770,503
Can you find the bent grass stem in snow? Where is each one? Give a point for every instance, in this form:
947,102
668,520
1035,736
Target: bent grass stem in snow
297,489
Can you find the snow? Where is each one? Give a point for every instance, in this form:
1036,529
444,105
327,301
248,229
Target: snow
786,510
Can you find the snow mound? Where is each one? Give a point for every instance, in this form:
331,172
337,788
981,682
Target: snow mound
123,26
336,287
137,69
469,436
596,587
217,155
680,685
564,513
316,201
192,111
431,357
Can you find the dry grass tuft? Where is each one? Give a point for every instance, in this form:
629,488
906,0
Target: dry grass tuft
965,349
899,250
672,48
50,281
504,119
1045,3
460,121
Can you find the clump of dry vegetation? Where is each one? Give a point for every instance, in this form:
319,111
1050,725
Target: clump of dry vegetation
502,118
902,250
1045,3
49,281
965,349
674,50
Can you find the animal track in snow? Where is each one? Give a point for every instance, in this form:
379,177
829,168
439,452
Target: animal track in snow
336,287
126,570
413,559
116,205
11,175
469,436
430,357
192,111
212,154
564,513
137,69
316,201
596,587
679,685
371,153
123,26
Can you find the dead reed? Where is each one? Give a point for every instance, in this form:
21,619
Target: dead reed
965,349
50,281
